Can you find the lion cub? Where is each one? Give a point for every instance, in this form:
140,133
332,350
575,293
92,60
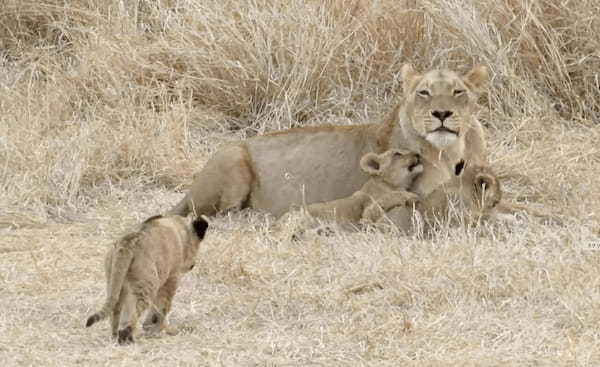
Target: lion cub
142,269
475,193
392,173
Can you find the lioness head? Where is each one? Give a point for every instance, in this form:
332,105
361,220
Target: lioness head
397,167
440,103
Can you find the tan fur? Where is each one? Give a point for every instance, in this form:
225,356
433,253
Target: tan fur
142,269
477,190
479,184
276,171
391,174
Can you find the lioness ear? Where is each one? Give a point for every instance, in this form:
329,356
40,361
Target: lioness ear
409,75
408,72
371,163
477,78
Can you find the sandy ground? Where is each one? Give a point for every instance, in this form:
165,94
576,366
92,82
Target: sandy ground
107,107
498,294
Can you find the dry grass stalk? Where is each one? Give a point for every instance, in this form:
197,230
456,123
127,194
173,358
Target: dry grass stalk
107,107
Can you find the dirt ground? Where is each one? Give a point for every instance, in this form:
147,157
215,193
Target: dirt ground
107,108
522,293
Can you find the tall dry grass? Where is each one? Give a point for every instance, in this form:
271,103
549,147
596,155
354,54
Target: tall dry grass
108,107
117,86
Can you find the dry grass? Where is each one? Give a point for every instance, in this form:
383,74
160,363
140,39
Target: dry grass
107,107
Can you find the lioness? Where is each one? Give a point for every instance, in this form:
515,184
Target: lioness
143,268
391,174
316,164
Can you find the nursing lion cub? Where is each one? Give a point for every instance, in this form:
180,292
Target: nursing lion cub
273,172
143,268
447,202
391,174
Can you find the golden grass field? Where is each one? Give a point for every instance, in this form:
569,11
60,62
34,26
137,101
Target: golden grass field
108,107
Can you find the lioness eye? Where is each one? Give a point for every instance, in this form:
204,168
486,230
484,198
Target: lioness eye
458,92
396,154
424,93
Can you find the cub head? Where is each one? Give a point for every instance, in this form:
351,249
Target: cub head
486,188
397,167
440,103
197,230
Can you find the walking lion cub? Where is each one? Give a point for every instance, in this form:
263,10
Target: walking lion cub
391,175
143,268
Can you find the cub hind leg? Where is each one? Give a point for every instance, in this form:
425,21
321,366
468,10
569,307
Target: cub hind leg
116,314
137,301
156,320
116,311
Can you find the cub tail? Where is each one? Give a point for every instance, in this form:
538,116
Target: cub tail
122,258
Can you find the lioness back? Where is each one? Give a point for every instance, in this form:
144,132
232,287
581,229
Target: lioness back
276,171
308,165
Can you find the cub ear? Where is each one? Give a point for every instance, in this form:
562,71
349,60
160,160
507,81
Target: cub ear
371,163
200,225
477,78
376,164
409,77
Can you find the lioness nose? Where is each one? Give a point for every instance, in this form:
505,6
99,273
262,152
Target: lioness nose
442,115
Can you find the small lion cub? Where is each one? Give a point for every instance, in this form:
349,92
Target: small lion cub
143,268
392,173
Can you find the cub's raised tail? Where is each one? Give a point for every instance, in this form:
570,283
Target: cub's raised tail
121,261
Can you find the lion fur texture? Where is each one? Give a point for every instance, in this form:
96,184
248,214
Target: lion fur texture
143,268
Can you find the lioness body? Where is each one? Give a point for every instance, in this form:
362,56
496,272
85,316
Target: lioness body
275,171
314,164
391,174
143,268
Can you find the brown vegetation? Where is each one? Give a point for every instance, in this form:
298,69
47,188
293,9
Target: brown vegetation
108,107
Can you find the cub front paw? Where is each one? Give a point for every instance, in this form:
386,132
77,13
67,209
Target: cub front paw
487,187
411,199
